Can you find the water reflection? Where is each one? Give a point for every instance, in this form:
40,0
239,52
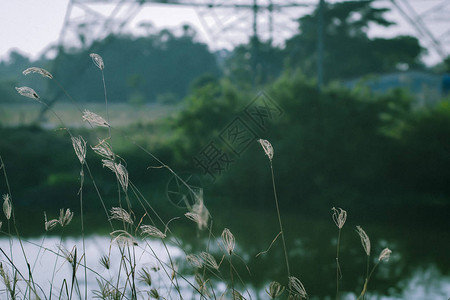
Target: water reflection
311,261
47,257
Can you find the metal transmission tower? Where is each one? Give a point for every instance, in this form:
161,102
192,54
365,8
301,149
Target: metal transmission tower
226,22
431,21
268,20
88,20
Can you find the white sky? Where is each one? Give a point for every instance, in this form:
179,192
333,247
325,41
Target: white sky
30,26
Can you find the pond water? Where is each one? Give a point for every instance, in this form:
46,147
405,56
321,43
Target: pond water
47,259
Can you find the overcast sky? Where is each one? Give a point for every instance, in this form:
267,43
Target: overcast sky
31,25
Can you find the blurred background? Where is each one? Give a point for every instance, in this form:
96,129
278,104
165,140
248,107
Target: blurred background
353,95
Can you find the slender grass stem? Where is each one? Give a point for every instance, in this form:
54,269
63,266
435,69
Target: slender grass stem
279,220
338,267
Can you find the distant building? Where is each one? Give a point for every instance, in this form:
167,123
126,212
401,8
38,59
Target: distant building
426,88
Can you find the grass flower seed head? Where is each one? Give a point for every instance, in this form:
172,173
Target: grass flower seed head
365,241
105,262
103,148
193,217
65,217
7,206
209,260
98,60
120,171
194,261
150,230
339,216
154,294
123,238
268,149
275,290
200,219
49,225
94,119
144,276
41,71
118,213
198,212
79,145
296,287
228,240
27,92
385,254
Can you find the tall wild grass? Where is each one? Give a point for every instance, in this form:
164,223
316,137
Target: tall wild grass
212,273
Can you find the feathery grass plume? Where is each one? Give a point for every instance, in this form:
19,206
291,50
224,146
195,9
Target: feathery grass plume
144,276
105,262
7,206
296,287
268,149
95,119
103,148
98,60
42,72
209,260
198,212
65,218
365,241
339,216
79,145
194,261
118,213
49,225
275,290
27,92
120,171
150,230
194,217
385,254
228,240
123,238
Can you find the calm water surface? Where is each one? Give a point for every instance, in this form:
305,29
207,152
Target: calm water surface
423,283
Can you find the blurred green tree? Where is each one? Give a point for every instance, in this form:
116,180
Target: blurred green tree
157,64
348,50
254,64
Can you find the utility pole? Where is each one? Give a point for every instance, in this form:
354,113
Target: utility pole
320,41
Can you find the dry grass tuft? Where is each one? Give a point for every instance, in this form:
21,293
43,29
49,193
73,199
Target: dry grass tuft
150,230
94,119
27,92
98,60
365,241
268,149
79,145
7,206
296,287
339,216
40,71
228,240
118,213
